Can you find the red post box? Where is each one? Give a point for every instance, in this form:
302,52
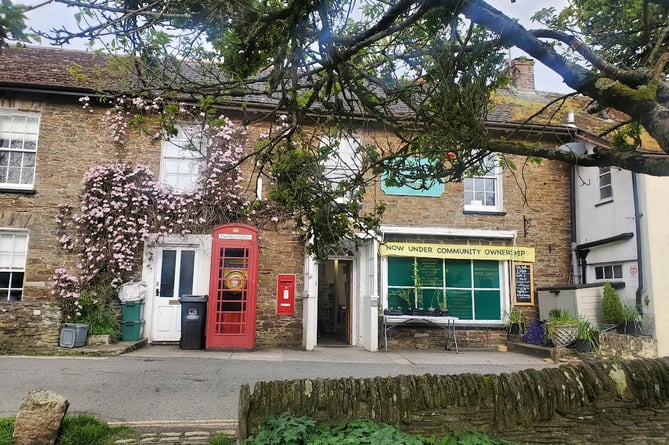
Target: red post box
285,298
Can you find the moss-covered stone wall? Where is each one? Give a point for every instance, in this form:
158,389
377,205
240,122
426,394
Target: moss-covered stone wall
598,402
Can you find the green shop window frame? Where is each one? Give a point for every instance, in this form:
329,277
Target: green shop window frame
468,289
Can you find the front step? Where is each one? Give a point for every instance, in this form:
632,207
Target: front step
555,354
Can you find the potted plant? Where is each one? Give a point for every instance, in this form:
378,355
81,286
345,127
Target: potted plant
631,324
561,328
514,322
611,306
586,336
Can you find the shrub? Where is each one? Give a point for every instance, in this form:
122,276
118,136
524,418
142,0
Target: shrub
611,305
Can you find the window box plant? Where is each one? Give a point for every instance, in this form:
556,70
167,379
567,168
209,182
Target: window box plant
561,328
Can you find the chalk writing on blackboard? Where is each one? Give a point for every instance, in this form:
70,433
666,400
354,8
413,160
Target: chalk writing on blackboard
523,284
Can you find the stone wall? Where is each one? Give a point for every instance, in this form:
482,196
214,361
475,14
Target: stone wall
29,327
591,403
612,344
430,337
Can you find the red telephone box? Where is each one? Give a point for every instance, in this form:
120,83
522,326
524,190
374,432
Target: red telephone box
285,297
231,309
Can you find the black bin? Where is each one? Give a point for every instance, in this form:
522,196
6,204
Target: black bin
193,315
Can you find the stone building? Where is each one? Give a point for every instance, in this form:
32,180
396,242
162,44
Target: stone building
480,247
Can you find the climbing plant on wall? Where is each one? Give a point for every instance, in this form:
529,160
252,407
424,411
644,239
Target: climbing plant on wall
121,204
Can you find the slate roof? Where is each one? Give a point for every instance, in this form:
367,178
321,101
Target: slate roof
48,69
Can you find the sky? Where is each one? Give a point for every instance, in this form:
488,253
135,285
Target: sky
56,15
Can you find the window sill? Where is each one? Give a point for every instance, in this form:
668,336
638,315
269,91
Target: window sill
601,203
18,191
484,212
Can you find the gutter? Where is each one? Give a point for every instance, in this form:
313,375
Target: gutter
583,249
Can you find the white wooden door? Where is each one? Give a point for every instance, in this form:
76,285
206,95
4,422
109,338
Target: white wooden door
174,278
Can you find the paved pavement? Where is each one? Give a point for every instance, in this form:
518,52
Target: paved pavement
170,393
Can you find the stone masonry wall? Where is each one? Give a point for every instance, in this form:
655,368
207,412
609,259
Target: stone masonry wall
69,132
29,327
591,403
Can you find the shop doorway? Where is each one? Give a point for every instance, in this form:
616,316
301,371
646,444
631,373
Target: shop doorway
334,302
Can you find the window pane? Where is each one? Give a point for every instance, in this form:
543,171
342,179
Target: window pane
17,280
458,274
15,294
186,272
15,159
430,271
13,175
608,272
618,271
486,274
167,273
487,304
5,278
400,271
399,299
460,304
27,175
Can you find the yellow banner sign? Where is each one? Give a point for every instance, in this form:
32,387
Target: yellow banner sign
459,251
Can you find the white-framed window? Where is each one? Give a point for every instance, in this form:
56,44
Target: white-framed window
469,289
609,272
18,148
343,162
483,193
605,190
13,251
183,157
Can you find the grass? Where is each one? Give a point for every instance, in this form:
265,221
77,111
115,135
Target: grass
6,430
80,429
83,428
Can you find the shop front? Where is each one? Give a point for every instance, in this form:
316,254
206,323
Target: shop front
473,275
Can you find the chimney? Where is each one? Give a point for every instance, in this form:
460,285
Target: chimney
521,71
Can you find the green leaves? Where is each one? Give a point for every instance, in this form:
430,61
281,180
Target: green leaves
289,430
12,22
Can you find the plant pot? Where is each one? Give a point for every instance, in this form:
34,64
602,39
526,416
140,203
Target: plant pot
516,328
632,328
564,335
583,346
423,312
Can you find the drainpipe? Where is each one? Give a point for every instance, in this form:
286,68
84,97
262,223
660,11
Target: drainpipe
639,252
576,275
577,148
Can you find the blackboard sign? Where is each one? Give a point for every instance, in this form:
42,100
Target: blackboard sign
523,284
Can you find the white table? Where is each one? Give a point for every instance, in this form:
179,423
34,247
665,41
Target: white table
446,323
